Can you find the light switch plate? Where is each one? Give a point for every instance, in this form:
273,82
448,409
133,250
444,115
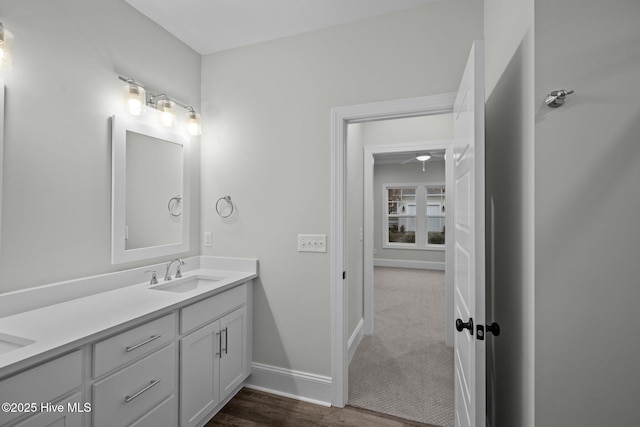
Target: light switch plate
207,239
312,243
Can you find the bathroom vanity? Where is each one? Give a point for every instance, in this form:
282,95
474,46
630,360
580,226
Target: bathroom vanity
134,353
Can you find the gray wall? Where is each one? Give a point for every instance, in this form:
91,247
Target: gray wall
405,131
56,219
587,204
398,174
266,142
562,198
355,225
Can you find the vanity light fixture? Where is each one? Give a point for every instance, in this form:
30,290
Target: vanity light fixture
6,44
194,126
136,99
166,112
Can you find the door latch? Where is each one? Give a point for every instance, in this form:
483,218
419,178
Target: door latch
493,328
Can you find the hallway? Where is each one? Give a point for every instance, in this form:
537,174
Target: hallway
405,369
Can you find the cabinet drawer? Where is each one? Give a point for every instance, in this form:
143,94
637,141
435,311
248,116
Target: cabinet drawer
211,308
65,418
43,383
133,391
163,415
126,346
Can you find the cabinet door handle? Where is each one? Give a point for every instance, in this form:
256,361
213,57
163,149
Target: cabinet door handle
219,352
128,399
226,340
147,341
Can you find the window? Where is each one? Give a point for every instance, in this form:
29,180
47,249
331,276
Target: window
415,216
402,215
435,215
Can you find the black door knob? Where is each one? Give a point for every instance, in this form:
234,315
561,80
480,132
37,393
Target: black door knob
460,325
494,328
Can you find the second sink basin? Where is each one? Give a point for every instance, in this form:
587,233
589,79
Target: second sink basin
10,342
186,286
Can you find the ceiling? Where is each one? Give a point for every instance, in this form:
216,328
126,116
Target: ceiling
209,26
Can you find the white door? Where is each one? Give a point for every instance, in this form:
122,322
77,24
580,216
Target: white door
469,269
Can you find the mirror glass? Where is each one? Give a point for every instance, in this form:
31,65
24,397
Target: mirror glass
150,191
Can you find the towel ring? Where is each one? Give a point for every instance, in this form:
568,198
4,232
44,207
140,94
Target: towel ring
220,207
175,205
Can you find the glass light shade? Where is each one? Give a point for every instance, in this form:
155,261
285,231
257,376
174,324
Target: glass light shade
134,99
6,47
423,158
166,112
194,127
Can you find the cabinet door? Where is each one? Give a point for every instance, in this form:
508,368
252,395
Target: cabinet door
70,416
232,358
199,366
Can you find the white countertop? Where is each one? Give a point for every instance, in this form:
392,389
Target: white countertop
66,325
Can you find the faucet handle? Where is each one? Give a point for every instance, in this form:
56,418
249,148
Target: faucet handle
178,272
154,277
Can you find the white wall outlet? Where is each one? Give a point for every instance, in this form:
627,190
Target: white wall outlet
312,243
207,239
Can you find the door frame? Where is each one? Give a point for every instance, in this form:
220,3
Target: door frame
340,118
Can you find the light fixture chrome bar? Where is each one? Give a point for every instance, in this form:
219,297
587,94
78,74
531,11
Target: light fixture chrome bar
152,99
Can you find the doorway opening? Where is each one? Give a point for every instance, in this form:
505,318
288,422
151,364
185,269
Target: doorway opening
396,191
341,118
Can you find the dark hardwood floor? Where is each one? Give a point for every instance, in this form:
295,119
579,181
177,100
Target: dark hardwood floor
256,408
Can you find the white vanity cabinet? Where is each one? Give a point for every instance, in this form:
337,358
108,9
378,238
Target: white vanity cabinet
173,364
45,383
213,358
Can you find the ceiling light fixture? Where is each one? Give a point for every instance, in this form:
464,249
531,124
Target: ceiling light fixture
6,45
423,158
137,99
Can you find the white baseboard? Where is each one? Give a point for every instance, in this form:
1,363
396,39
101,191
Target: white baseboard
354,340
297,385
401,263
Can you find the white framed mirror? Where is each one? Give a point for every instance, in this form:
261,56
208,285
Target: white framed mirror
1,142
150,191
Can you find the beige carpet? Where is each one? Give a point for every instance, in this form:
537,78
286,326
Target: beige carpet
405,369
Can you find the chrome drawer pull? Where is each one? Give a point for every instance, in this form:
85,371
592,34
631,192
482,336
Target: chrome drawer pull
152,338
128,399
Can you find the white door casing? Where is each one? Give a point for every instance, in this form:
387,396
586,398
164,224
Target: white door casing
340,117
469,241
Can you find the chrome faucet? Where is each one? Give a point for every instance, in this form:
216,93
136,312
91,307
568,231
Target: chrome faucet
154,278
167,274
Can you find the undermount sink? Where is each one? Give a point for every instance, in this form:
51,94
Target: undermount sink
11,342
186,286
